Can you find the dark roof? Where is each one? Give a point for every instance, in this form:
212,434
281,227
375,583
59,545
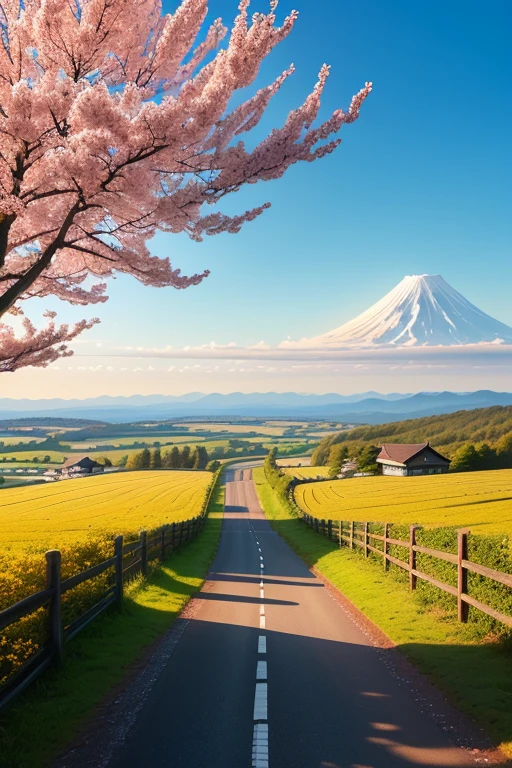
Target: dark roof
74,460
401,453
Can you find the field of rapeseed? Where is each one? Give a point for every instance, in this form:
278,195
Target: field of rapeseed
80,517
70,512
306,473
480,500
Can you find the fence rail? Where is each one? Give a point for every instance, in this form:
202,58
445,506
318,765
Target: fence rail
354,534
128,561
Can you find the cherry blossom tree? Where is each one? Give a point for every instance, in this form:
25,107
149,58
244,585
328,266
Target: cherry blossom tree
115,124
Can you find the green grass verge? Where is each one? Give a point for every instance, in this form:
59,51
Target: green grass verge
475,674
49,715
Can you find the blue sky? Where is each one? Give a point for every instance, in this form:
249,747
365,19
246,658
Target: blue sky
421,184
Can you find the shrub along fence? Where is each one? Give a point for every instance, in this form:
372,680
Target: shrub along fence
362,536
128,560
447,567
35,629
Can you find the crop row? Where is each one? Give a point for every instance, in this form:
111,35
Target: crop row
64,513
481,500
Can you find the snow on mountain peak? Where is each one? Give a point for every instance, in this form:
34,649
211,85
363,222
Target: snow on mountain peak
422,310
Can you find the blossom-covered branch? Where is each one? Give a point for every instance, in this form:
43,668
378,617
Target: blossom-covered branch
37,348
114,125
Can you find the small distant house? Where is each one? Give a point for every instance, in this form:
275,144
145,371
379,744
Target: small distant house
401,460
80,465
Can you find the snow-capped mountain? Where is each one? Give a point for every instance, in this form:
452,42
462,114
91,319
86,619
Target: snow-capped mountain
421,310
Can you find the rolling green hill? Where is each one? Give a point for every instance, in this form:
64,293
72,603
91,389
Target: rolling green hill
446,433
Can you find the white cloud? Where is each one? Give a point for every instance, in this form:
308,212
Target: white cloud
403,357
259,345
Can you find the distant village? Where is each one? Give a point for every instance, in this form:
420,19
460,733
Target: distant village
394,460
72,468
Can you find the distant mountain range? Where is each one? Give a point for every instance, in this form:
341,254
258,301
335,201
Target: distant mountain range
364,408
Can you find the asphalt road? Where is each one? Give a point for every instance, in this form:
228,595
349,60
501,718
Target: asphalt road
272,673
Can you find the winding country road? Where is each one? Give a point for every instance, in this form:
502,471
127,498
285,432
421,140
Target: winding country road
271,672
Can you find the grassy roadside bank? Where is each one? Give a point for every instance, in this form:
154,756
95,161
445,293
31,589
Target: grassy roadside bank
476,674
49,715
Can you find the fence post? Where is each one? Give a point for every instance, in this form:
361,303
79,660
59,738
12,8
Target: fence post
181,533
412,557
162,543
173,537
351,534
329,529
118,553
144,552
366,550
386,536
316,525
340,533
462,575
53,581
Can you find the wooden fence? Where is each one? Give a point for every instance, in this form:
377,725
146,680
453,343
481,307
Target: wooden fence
355,534
127,561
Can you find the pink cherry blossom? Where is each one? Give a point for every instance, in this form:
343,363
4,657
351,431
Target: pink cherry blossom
114,125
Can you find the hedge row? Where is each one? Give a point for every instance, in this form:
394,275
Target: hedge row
492,551
24,574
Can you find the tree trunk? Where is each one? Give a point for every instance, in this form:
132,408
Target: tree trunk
6,221
13,293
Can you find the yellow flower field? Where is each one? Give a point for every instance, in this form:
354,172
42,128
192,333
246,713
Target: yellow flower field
306,473
480,500
63,513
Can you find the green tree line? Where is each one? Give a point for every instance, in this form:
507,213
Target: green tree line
49,444
279,481
186,458
478,439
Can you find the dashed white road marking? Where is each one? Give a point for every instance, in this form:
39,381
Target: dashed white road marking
260,732
260,702
260,746
261,670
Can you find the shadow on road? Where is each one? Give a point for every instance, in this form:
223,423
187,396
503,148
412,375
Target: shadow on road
268,580
223,597
331,705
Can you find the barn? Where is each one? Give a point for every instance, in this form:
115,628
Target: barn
404,460
81,465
